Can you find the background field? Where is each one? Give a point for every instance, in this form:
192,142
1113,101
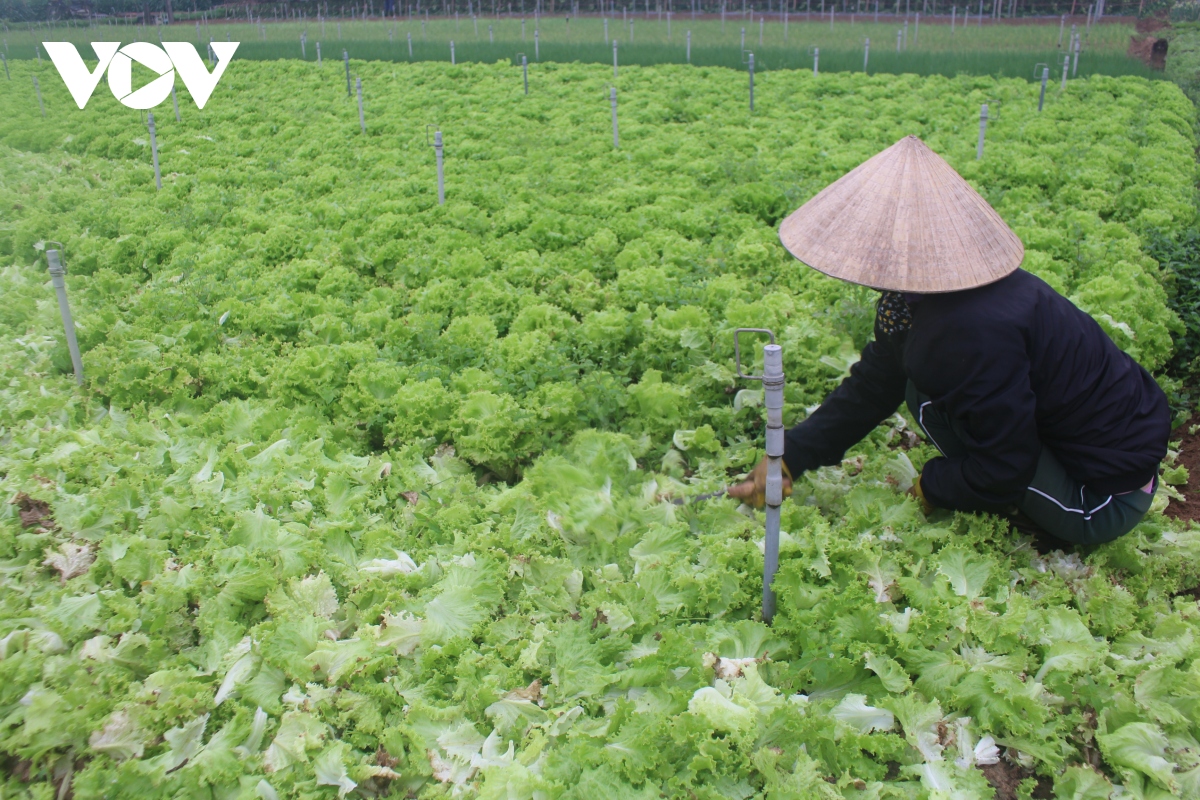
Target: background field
993,48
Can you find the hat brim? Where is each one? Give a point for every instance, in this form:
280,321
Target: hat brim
905,221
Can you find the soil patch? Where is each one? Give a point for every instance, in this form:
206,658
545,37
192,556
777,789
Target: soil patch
1150,50
33,512
1006,778
1189,456
1152,24
1193,593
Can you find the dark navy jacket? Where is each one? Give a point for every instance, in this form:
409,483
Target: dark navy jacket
1018,367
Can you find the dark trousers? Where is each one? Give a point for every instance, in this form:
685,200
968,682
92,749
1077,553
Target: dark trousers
1056,502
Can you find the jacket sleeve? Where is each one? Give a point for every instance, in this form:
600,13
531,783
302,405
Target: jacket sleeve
870,394
987,395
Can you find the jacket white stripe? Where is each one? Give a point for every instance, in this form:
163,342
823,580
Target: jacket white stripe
1087,515
921,420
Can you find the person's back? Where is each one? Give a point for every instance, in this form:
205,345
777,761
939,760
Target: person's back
1098,411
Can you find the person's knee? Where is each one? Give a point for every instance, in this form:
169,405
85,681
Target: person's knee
1065,509
1083,529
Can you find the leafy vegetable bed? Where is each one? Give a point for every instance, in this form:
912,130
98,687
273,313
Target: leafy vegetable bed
364,494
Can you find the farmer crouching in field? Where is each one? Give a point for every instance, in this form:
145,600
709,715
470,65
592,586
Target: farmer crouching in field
1036,412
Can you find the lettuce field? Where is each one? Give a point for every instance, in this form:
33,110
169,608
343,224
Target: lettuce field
369,495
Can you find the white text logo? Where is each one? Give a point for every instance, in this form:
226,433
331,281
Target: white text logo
172,57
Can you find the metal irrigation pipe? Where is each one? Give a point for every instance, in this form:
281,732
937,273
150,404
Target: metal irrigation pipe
772,381
612,98
983,119
57,273
154,150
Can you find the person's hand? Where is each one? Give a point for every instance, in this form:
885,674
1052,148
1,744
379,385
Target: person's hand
917,492
753,490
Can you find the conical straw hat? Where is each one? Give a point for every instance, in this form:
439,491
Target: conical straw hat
904,221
